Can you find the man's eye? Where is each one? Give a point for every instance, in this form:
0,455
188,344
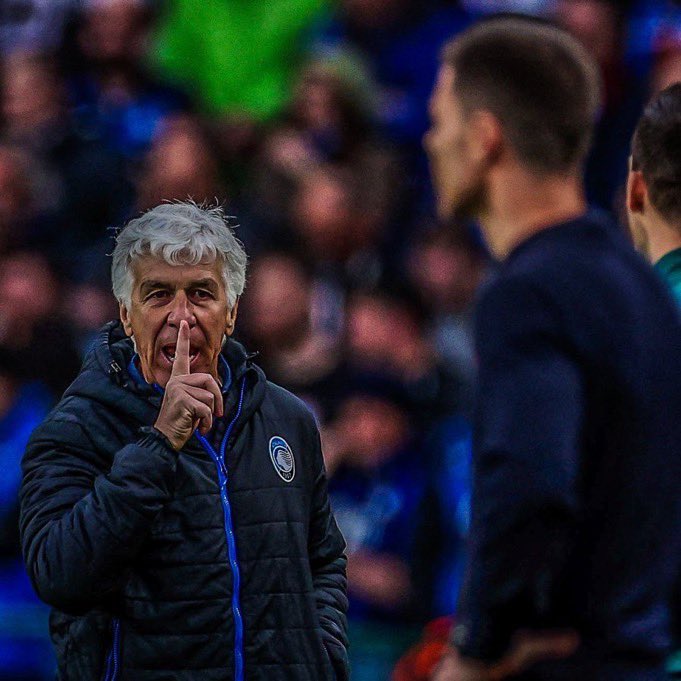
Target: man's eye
157,295
202,295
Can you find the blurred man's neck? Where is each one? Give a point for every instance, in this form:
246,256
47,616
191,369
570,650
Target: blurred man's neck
522,203
663,238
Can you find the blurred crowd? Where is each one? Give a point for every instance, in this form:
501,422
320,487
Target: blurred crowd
304,118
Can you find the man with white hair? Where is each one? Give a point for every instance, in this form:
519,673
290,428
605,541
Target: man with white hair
174,510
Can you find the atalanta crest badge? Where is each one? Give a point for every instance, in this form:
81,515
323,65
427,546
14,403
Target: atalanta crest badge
282,458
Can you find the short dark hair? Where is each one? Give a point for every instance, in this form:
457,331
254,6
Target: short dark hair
656,151
537,80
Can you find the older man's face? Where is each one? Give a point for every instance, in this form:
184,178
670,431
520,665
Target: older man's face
162,296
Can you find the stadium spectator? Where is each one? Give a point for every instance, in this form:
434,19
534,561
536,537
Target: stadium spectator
87,306
378,490
340,230
446,269
385,333
666,68
279,322
181,163
86,180
27,216
600,27
29,327
567,484
330,121
401,40
112,85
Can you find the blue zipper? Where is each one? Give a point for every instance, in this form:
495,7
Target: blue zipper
229,531
229,534
112,657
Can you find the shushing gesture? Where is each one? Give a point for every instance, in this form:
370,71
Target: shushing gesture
191,400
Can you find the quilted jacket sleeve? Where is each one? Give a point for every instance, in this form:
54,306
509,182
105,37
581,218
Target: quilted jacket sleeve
81,524
328,562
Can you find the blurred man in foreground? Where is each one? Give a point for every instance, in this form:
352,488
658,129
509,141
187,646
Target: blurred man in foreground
654,186
174,509
576,527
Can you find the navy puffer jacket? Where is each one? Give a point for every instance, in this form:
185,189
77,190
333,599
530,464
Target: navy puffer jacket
176,566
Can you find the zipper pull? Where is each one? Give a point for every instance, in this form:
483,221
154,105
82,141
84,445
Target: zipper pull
115,371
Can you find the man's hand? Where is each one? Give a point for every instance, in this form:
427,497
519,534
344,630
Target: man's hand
527,649
190,400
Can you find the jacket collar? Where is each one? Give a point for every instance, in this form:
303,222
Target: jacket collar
105,375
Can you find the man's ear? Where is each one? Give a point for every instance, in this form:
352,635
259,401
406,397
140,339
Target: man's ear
125,319
486,136
637,192
231,318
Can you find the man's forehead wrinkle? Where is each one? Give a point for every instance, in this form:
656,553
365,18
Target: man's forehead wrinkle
151,270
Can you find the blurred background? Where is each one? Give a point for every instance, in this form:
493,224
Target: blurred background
304,118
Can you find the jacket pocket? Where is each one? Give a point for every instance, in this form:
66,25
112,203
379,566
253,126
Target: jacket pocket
112,663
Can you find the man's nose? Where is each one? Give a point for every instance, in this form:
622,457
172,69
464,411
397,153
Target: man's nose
181,309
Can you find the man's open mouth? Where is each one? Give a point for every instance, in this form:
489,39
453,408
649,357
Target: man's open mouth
168,352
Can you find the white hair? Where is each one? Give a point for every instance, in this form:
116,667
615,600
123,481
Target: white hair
181,233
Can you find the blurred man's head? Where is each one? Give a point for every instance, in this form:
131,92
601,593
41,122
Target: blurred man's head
334,96
115,32
32,95
597,24
654,183
28,290
373,420
666,64
279,295
333,215
510,91
446,268
181,162
384,331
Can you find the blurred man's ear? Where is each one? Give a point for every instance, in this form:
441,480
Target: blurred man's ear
486,137
125,319
637,192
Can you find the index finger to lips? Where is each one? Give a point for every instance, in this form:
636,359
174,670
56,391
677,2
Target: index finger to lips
181,362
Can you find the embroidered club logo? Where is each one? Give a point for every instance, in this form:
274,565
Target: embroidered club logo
282,458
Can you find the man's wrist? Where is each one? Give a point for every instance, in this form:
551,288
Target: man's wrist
158,434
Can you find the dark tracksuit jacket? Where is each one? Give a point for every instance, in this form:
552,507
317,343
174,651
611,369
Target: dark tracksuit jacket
577,456
183,567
